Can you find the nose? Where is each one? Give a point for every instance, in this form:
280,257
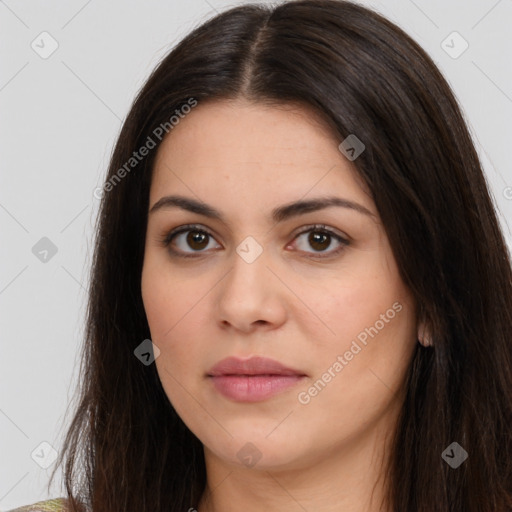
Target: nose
250,295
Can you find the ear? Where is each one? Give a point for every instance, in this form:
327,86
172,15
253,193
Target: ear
424,335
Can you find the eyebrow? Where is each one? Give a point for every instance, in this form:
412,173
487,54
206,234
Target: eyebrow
279,214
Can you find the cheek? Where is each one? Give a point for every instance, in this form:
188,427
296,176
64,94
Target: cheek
172,309
166,298
350,304
370,317
167,320
355,381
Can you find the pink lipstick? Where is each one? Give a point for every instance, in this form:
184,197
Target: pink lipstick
254,379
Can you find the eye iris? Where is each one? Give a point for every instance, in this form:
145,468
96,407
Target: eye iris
196,237
316,238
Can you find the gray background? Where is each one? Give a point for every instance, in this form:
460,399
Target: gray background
60,118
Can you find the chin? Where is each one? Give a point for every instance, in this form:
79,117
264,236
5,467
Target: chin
258,452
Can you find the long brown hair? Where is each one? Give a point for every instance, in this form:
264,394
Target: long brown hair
126,448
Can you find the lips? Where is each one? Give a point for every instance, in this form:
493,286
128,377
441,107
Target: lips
255,365
252,380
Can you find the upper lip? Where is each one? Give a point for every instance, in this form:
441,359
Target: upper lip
255,365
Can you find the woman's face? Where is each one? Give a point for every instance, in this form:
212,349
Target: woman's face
259,279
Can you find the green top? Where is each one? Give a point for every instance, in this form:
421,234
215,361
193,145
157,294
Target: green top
56,505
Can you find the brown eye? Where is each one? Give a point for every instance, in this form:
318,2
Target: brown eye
191,240
320,239
188,240
197,240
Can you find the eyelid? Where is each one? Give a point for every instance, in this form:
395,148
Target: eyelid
344,240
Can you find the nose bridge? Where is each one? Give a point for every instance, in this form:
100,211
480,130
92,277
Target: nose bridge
247,294
249,265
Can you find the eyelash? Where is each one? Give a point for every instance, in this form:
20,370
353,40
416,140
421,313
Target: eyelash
320,228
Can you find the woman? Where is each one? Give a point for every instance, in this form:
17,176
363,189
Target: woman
300,294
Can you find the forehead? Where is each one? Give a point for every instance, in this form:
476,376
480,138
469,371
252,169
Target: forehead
239,131
256,149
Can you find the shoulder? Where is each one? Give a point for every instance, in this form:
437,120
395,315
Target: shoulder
55,505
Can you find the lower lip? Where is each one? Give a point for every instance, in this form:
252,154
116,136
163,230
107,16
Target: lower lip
253,388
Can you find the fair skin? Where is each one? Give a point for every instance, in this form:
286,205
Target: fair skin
290,304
